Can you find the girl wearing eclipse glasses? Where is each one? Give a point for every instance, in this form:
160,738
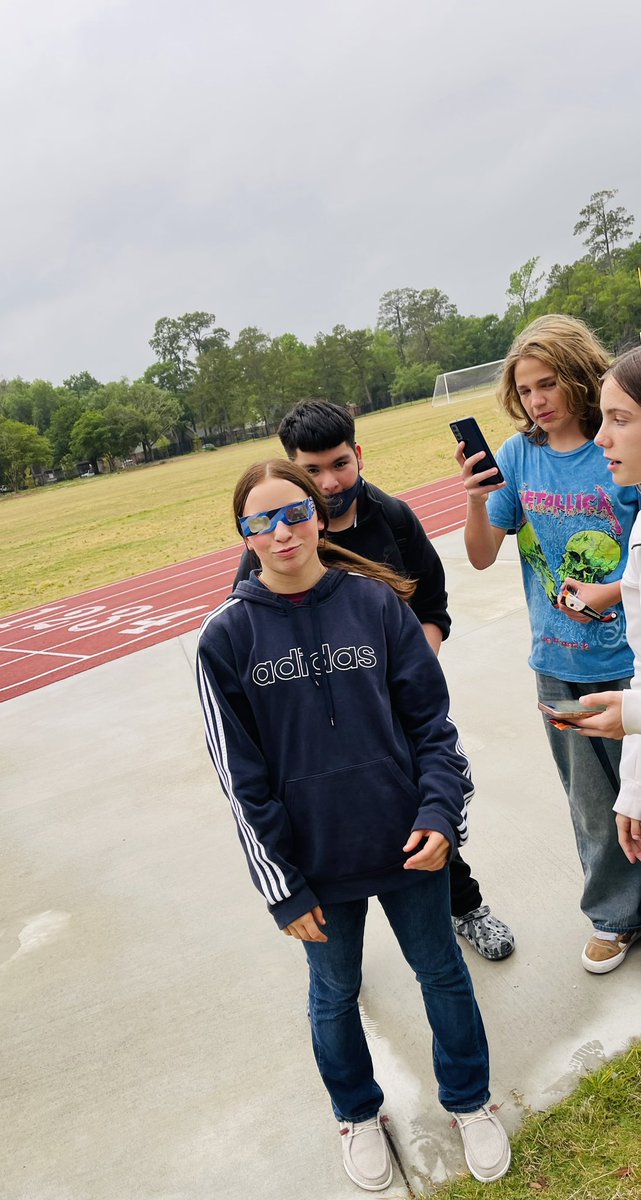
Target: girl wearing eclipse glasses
327,720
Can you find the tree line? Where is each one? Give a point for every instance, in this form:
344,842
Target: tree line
202,387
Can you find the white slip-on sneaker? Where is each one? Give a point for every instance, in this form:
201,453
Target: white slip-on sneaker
366,1156
485,1142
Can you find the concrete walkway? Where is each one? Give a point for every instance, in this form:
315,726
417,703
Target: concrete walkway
154,1038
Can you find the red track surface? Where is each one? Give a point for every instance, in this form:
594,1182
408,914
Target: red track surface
54,641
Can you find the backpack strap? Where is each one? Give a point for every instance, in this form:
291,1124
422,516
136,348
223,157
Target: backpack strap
397,518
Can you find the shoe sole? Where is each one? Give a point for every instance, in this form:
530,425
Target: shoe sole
602,968
504,1159
482,954
495,957
372,1187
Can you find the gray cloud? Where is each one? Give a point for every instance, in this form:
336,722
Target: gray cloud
285,164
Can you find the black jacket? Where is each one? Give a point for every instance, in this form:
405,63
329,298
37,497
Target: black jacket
387,531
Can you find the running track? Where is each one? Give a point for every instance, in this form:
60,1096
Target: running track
55,641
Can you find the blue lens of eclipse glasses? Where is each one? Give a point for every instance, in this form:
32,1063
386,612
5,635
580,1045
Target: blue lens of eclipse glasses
266,522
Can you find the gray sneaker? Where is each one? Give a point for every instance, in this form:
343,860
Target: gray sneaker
492,938
366,1157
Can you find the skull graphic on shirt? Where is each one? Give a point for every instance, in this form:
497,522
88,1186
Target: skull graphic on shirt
589,557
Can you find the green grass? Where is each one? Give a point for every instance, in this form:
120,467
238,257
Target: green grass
67,538
585,1148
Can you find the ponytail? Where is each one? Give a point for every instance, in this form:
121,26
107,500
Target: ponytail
329,554
346,560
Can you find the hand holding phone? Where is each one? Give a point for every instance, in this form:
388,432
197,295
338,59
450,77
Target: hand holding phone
468,431
561,713
569,598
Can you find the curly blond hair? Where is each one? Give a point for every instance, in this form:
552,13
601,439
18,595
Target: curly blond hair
578,359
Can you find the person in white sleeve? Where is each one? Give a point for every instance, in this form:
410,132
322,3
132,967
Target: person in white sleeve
620,440
572,525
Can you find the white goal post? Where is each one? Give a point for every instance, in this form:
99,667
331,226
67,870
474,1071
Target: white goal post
457,385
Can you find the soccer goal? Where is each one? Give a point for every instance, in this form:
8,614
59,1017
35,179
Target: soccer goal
470,381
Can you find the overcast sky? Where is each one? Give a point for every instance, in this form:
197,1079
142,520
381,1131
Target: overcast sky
282,164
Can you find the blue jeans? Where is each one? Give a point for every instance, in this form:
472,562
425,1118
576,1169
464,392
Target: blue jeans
420,919
612,885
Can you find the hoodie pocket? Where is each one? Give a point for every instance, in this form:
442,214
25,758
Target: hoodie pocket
351,822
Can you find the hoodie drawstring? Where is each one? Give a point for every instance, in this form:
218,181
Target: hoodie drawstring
253,591
324,682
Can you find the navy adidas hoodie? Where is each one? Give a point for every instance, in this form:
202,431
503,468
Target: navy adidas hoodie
328,725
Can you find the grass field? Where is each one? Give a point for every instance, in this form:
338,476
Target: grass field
67,538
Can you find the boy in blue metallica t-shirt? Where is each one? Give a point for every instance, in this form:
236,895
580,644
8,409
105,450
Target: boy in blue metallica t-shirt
572,526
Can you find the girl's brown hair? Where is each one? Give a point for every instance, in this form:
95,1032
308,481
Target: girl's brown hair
329,555
576,357
626,371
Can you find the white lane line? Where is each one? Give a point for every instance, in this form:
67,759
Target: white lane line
42,653
429,489
458,504
446,529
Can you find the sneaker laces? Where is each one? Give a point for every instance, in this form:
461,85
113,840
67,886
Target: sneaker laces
462,1120
356,1127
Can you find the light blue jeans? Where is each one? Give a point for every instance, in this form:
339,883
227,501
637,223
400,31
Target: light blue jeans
420,919
612,889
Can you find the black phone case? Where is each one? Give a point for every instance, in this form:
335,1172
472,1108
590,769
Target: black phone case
467,430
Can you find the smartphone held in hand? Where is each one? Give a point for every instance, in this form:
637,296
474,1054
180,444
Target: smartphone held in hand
562,713
468,431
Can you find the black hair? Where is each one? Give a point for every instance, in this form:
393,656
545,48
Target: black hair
315,426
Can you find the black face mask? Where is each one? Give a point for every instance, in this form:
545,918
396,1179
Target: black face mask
339,504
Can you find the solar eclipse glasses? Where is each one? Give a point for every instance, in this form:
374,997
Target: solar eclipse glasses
266,522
